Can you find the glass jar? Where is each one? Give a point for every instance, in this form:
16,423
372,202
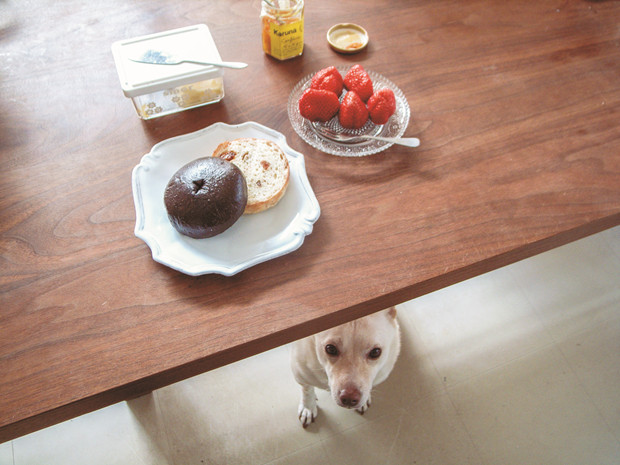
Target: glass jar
283,28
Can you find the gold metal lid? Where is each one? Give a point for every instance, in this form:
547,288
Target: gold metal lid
347,38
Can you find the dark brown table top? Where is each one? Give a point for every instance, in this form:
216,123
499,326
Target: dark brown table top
517,107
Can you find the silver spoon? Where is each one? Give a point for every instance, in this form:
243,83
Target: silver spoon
156,57
338,137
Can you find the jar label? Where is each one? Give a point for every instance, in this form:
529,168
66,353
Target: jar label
287,40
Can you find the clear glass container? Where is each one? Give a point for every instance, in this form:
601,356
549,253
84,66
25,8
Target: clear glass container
282,28
179,98
158,89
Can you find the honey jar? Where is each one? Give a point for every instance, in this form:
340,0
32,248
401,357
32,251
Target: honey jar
282,28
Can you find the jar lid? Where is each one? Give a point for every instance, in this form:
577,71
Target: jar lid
347,38
193,42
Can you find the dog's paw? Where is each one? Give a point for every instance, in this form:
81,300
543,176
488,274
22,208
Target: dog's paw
307,414
307,410
361,410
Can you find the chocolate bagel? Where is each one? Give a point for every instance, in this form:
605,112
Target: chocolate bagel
205,197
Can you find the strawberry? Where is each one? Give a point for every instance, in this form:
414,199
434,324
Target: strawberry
353,113
318,105
328,79
358,80
381,105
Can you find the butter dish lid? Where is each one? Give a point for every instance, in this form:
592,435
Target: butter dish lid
193,43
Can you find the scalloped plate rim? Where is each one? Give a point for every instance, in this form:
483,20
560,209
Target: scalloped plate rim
298,229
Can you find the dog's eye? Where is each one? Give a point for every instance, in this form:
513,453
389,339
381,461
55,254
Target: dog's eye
331,350
375,353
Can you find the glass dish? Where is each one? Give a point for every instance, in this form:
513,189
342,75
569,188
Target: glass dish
157,90
252,239
395,127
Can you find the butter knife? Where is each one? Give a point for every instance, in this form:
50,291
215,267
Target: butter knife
156,57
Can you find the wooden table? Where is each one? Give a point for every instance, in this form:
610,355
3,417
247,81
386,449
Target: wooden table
517,106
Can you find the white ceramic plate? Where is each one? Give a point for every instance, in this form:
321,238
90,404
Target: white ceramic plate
395,127
252,239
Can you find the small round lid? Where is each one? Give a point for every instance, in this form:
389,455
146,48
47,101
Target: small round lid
347,38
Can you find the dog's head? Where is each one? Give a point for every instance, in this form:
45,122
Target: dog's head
356,353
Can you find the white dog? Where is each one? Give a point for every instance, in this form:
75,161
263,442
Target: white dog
347,360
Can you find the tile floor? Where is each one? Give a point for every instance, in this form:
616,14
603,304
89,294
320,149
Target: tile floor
519,366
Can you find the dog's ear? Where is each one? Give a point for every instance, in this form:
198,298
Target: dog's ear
391,312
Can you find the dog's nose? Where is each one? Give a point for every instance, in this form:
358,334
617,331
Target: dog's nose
350,397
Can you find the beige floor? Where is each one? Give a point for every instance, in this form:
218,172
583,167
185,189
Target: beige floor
519,366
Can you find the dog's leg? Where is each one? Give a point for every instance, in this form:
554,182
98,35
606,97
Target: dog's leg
307,407
361,410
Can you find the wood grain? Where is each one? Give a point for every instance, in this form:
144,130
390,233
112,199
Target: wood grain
516,105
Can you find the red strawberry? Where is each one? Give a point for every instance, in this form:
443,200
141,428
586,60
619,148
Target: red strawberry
318,105
328,79
353,113
381,105
358,80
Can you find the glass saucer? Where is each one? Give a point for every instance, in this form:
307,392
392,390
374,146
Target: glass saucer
395,127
